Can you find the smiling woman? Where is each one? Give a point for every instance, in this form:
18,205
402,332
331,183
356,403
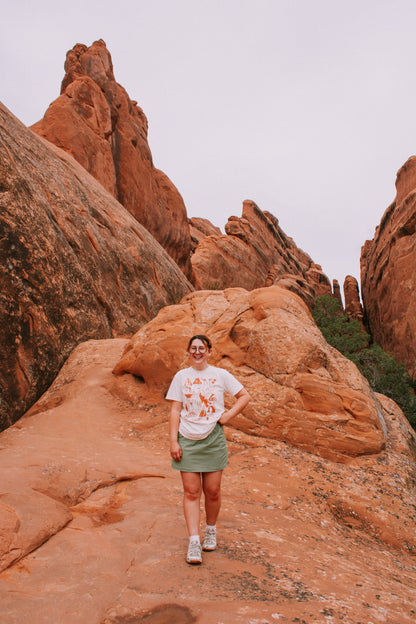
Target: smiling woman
197,442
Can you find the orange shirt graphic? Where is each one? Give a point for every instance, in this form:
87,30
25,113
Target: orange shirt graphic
199,397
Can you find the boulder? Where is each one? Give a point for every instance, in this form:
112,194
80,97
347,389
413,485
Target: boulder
255,252
388,273
74,265
305,393
96,122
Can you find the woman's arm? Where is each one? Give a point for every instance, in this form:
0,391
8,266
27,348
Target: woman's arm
243,398
175,414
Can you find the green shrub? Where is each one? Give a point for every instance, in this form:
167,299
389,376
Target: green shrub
213,285
383,372
341,332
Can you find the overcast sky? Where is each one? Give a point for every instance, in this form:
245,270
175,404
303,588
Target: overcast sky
306,107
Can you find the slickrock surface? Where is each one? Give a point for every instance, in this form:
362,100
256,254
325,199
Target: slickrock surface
96,122
74,264
255,252
353,307
388,273
87,487
304,391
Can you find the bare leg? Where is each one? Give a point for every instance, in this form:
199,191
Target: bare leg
211,483
192,489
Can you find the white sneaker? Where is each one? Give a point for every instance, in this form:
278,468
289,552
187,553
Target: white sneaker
194,553
210,539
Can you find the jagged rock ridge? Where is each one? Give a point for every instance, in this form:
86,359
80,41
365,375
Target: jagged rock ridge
255,252
96,122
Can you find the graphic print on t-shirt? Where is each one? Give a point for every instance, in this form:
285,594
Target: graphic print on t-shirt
199,397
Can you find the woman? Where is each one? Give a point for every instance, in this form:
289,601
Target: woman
197,441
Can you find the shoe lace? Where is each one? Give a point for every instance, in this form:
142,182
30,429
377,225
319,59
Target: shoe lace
194,549
210,536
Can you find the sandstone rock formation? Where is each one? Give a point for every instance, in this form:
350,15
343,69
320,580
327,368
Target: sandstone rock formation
95,121
337,292
201,228
74,264
304,392
388,273
87,486
353,307
255,252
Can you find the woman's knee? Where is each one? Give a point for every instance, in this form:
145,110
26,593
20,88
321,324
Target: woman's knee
192,491
213,491
212,485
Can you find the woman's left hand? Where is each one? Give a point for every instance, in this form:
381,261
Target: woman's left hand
223,418
243,398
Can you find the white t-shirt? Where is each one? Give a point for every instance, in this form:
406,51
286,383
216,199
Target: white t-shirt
201,393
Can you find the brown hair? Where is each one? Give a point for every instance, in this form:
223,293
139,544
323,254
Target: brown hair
203,339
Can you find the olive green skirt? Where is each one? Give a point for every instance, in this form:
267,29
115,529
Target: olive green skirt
207,455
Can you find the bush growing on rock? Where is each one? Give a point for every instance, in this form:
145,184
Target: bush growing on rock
340,331
381,369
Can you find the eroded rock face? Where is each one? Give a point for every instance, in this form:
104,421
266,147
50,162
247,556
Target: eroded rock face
255,252
337,292
303,391
388,273
89,466
95,121
353,307
74,264
201,228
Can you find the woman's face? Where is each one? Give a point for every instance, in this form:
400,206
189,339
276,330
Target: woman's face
198,354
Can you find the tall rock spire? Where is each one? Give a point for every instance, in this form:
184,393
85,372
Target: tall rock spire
96,122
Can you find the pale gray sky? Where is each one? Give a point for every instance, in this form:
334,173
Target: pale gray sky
303,106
